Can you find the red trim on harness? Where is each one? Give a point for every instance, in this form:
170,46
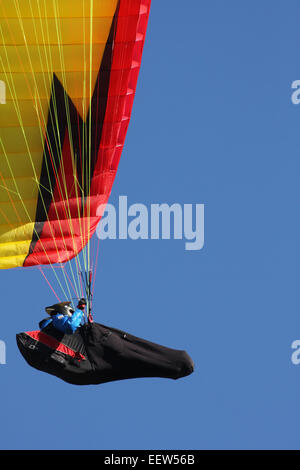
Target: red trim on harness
54,344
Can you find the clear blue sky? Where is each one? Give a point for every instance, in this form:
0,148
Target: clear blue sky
212,123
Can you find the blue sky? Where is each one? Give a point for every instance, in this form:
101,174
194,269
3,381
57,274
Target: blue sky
212,123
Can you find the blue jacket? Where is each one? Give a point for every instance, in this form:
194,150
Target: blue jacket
64,323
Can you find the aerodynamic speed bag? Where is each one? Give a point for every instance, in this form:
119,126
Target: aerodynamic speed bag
95,354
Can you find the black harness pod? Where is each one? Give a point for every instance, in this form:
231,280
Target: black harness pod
96,354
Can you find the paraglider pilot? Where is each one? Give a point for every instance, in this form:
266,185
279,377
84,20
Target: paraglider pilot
63,317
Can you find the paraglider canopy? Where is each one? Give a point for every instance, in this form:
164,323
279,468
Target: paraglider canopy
70,68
